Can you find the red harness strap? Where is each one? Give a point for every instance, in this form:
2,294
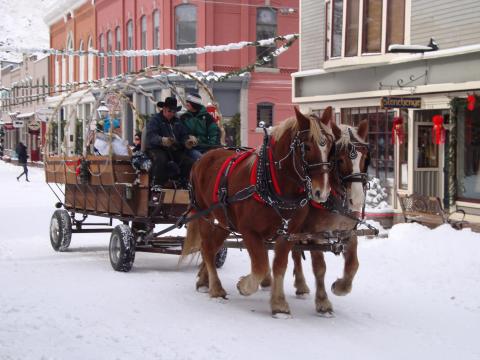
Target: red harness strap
237,159
253,173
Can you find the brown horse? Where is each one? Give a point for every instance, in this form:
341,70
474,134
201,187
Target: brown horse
348,181
294,161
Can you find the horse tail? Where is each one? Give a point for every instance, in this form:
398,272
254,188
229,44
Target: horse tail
193,240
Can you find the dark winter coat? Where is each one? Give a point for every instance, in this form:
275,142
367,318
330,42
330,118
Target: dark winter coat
159,127
202,126
21,151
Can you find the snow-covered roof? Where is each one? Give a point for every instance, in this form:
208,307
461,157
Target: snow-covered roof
58,9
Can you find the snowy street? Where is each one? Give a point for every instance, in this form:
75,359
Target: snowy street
416,296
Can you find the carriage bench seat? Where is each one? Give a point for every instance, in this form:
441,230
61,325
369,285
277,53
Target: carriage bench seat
428,210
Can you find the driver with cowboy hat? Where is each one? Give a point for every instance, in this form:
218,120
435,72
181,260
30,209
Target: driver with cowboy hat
167,140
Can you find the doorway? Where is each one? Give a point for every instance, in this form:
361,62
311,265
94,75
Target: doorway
429,158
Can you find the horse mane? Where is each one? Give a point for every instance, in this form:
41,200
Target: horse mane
291,124
345,140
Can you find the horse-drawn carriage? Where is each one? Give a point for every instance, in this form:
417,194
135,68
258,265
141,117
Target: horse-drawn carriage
305,186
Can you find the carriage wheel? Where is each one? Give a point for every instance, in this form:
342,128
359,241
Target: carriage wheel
122,248
221,257
60,230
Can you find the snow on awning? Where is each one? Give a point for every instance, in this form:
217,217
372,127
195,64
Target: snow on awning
13,116
25,115
76,98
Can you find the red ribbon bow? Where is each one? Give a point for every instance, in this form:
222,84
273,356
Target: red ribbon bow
438,131
471,100
397,130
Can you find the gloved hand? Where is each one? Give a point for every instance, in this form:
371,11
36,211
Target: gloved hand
191,142
168,141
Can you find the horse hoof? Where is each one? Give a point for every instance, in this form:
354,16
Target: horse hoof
218,294
245,287
340,289
202,289
326,314
302,296
281,315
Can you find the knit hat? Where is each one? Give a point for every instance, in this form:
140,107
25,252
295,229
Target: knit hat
194,98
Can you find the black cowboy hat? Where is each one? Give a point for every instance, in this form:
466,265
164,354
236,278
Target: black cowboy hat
170,103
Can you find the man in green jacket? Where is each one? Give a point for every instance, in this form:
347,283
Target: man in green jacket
201,126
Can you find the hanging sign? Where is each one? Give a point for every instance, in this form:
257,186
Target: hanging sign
18,123
34,125
400,102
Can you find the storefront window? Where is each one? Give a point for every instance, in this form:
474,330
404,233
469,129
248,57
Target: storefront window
468,154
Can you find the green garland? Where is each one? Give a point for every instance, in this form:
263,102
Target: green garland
455,105
261,60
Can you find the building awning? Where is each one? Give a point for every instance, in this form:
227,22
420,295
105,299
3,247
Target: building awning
43,114
13,116
25,115
76,98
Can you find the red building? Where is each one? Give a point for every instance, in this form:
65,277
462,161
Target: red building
179,24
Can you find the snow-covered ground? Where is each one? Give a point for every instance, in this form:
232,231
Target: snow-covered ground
416,296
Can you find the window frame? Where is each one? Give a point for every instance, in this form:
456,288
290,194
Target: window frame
156,34
261,49
81,63
191,59
143,39
101,60
265,104
109,50
118,47
385,27
130,44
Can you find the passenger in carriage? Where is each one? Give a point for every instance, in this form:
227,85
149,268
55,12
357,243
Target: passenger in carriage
102,139
201,126
137,142
167,141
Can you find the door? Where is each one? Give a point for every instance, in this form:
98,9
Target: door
428,178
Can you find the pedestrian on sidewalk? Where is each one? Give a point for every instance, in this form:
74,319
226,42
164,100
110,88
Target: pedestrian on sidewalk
22,160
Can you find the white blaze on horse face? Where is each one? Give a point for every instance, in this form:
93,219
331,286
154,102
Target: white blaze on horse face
356,194
320,194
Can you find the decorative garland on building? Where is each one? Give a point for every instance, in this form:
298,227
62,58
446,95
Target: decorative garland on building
139,53
204,77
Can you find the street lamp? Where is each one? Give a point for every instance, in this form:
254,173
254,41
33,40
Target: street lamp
102,110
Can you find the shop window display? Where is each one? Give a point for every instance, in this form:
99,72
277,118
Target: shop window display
468,154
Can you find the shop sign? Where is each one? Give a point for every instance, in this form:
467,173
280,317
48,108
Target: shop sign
398,102
18,123
8,126
34,125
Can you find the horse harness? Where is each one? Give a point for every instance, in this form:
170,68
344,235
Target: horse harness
337,202
263,183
